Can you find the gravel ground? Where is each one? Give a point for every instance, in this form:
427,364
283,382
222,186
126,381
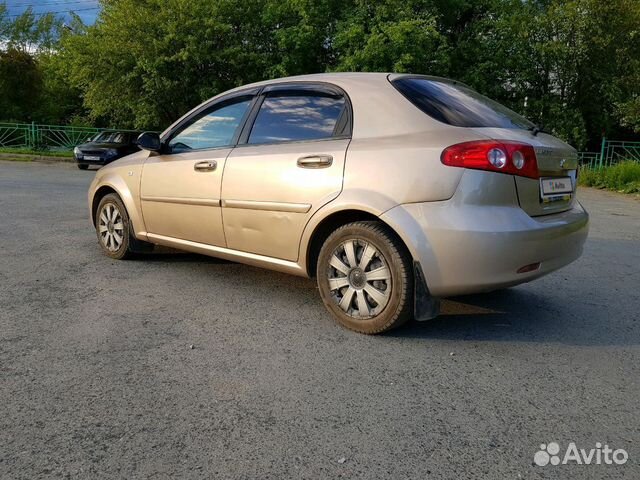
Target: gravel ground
179,365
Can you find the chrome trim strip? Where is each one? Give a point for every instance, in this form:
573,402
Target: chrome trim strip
272,206
209,202
278,264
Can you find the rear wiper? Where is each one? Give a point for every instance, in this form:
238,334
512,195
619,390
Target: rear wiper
536,129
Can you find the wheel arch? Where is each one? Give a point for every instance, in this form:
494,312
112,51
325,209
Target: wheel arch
100,193
115,184
425,307
330,223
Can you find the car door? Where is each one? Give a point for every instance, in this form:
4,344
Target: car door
289,163
180,188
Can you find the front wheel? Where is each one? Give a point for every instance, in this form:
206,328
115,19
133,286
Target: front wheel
82,166
365,278
113,227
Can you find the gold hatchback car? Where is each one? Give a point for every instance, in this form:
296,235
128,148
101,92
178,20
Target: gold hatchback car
392,190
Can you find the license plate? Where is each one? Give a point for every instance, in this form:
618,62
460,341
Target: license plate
551,187
92,158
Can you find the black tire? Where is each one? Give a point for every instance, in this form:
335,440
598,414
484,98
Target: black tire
83,166
391,254
129,245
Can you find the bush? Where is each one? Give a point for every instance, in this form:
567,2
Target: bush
621,177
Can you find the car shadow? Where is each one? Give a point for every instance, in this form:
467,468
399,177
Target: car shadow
520,314
526,313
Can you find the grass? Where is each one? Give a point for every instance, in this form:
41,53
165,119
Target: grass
46,153
622,177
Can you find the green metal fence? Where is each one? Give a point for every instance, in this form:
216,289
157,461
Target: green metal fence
589,159
33,136
14,135
611,152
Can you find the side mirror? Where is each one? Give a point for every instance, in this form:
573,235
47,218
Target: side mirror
149,141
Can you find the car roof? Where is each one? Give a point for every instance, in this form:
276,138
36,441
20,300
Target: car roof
340,77
336,78
322,77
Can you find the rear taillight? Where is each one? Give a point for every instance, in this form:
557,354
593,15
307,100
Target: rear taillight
505,157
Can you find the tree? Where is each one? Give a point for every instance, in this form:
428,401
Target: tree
20,85
300,35
33,83
391,35
59,102
145,63
568,65
29,32
609,76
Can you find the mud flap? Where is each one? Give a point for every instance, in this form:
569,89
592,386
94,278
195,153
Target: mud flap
425,307
139,246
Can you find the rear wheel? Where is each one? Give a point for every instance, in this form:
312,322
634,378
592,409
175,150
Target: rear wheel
365,278
82,166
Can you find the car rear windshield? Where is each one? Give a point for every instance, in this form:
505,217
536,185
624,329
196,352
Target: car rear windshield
455,104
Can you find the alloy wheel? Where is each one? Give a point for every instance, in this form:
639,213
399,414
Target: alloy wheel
111,227
359,279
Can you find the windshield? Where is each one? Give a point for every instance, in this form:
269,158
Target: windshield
457,105
111,137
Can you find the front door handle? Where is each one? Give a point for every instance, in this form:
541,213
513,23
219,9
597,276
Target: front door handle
208,166
315,161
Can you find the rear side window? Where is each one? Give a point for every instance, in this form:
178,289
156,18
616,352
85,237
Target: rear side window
296,117
457,105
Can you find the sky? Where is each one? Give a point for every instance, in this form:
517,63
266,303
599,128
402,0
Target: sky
86,9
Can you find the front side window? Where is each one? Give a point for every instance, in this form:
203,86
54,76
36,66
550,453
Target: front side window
212,128
457,105
296,117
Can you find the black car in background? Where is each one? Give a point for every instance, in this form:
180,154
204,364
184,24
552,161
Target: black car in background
105,147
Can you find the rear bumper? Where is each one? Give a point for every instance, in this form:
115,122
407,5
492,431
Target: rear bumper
475,248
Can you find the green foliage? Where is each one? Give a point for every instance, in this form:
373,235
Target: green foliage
622,177
145,63
630,112
565,64
298,33
20,84
22,152
59,102
29,32
391,35
33,79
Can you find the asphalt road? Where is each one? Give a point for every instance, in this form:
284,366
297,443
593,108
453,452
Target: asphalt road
98,378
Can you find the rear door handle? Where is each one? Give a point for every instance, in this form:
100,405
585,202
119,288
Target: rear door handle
208,166
315,161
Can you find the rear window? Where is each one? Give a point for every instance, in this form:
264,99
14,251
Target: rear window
457,105
291,117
